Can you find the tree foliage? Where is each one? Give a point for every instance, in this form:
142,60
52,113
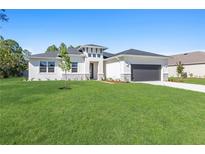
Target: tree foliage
52,48
3,16
65,63
180,68
12,61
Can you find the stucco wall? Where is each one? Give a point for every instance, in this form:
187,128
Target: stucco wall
197,70
34,73
113,69
121,68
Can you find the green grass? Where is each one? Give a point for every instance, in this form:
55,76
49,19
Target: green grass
189,80
93,112
195,80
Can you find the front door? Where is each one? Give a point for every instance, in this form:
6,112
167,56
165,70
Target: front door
91,71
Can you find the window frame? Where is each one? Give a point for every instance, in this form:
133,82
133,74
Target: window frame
94,55
75,67
40,67
53,67
89,55
98,55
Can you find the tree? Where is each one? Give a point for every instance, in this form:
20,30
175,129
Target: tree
12,61
180,68
3,16
52,48
65,63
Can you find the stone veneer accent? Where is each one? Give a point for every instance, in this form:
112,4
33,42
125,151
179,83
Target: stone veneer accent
101,77
165,77
76,76
125,77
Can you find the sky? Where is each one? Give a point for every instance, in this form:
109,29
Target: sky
160,31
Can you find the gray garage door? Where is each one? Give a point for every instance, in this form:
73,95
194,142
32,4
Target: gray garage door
145,72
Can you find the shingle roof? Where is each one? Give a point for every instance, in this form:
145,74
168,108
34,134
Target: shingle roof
138,52
107,54
71,50
47,54
187,58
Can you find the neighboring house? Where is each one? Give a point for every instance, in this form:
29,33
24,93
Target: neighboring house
194,64
92,62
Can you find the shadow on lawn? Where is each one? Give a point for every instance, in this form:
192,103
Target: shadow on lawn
65,88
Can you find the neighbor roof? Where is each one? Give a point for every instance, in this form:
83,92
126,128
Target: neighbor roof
71,50
197,57
138,52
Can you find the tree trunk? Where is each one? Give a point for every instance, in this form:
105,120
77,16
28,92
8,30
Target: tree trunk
65,79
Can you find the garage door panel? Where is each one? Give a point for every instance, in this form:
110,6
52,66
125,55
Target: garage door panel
145,72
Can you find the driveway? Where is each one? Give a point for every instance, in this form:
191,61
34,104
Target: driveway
187,86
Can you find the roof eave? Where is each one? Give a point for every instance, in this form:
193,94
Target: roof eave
127,55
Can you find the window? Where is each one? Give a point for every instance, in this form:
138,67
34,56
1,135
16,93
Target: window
89,55
98,55
43,66
101,50
94,55
91,49
96,50
51,66
74,67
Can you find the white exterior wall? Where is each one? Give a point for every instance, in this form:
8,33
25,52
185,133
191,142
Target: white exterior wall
121,68
35,74
197,70
98,62
114,69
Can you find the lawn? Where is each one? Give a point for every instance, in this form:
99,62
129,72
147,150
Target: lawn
92,112
189,80
195,80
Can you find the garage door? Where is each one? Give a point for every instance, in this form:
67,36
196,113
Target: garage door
145,72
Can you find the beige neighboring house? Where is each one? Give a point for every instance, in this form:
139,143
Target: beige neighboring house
194,64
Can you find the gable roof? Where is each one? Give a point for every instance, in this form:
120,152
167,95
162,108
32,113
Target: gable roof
197,57
138,52
71,50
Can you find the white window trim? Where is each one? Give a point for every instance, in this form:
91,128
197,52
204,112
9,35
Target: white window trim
46,67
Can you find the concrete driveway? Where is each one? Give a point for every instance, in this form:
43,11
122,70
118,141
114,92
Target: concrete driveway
187,86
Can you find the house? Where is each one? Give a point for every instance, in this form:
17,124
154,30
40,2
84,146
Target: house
194,64
90,61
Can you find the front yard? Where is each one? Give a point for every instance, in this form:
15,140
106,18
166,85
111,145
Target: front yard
93,112
189,80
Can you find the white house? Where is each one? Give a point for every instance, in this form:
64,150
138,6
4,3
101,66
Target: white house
92,62
194,64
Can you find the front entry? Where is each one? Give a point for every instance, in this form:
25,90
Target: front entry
91,71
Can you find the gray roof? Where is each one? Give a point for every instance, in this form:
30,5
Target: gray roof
47,54
197,57
95,45
138,52
71,50
107,54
